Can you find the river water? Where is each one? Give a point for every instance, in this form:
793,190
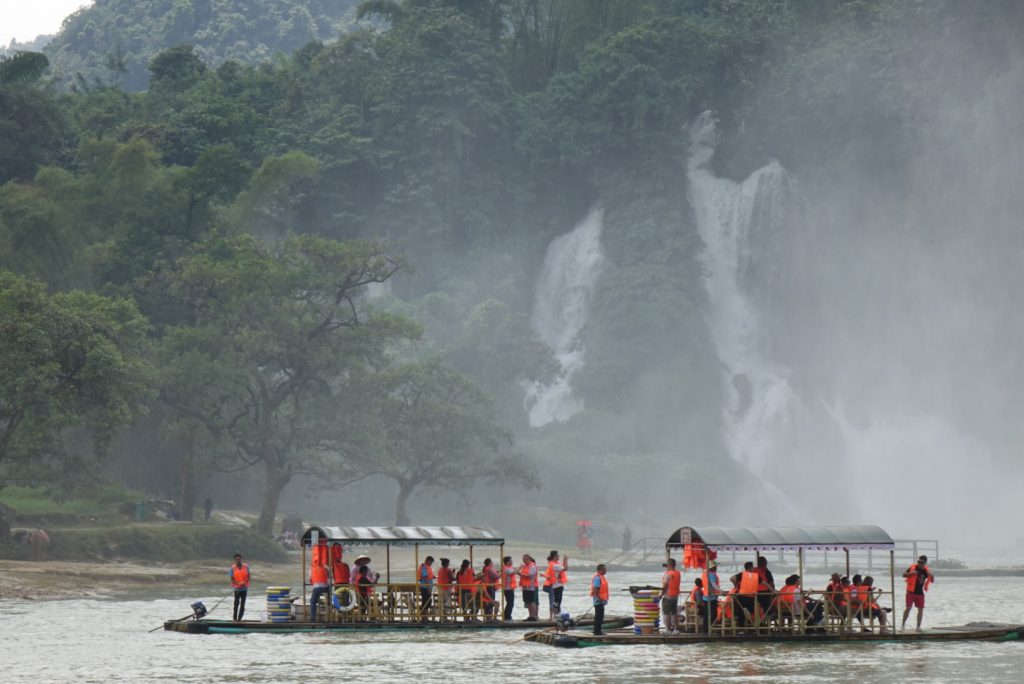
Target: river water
107,640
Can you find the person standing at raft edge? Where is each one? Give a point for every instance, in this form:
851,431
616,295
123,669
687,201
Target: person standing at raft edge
426,582
240,579
528,581
670,581
508,587
919,578
599,592
319,580
555,580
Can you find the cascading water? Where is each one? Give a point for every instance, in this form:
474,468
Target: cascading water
761,409
571,268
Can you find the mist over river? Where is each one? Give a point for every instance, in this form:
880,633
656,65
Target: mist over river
107,641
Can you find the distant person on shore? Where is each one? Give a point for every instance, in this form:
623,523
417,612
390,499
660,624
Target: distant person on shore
38,540
320,582
241,576
919,577
555,579
508,587
528,581
599,593
207,507
670,584
627,539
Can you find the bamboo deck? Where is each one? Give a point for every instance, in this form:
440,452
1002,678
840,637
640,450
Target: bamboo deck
982,631
255,627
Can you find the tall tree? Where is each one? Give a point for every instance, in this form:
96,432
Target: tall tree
440,434
285,331
68,360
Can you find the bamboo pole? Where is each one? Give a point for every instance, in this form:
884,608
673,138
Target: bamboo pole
303,573
800,564
892,586
418,608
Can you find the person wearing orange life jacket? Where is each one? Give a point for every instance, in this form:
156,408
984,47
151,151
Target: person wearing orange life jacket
490,578
555,579
446,585
599,593
712,589
871,607
528,581
748,582
241,576
670,587
320,581
766,585
340,571
426,582
727,609
919,577
508,587
856,603
465,579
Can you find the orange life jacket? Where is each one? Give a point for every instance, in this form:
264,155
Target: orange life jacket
749,582
788,594
318,575
240,576
912,580
444,578
694,598
865,595
508,577
602,593
429,579
528,576
466,579
762,580
727,603
674,578
552,578
342,574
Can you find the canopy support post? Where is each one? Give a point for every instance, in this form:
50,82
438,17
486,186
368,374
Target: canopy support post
416,574
800,563
387,567
892,586
501,554
847,552
304,606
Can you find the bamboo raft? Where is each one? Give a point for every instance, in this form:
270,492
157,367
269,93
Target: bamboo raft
974,631
257,627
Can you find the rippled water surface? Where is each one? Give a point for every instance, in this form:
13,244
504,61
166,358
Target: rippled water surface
104,641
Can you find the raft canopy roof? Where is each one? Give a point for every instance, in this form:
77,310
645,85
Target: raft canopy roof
783,538
406,536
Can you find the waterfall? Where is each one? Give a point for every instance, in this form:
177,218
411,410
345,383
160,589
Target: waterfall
571,268
761,410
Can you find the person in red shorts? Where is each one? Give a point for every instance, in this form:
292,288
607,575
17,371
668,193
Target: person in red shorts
919,578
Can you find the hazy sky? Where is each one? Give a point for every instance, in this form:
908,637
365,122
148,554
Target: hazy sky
26,19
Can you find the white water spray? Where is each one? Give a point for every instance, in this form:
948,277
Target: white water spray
564,289
761,410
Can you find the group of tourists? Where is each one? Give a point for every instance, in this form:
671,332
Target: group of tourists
754,598
467,592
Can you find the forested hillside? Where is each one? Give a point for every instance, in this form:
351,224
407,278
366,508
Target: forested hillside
112,41
334,254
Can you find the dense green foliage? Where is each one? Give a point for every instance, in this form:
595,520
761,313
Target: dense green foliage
112,41
242,202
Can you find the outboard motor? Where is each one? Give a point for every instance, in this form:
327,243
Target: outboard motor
198,610
564,621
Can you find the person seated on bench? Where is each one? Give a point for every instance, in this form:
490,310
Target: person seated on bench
794,603
868,604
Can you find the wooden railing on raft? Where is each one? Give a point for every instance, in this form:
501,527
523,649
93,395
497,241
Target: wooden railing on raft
733,616
400,602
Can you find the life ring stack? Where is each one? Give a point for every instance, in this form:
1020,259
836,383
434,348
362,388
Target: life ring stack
646,605
279,605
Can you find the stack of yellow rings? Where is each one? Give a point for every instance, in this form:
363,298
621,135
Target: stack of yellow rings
279,607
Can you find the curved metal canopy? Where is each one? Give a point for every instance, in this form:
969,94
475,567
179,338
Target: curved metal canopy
406,536
784,538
